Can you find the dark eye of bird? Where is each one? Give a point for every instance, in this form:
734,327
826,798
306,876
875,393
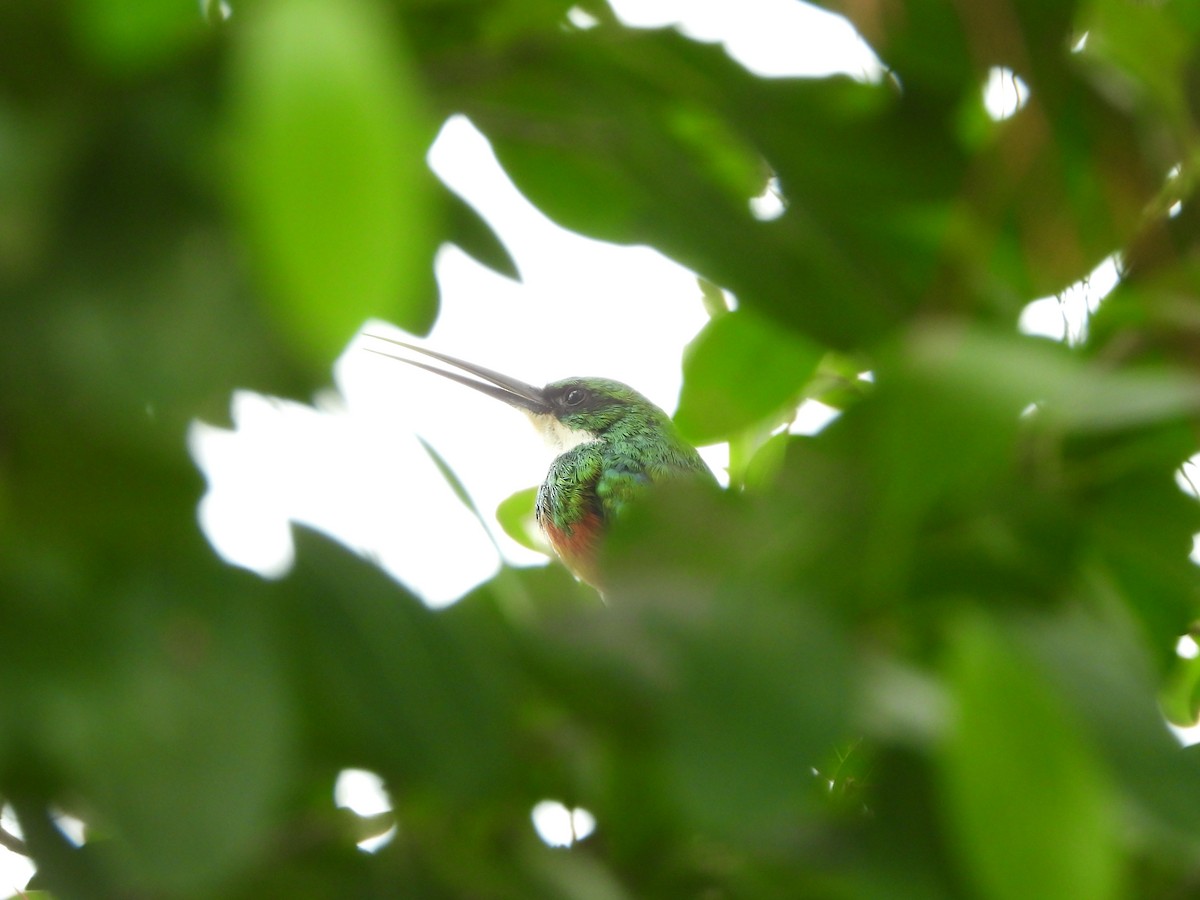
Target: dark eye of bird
575,396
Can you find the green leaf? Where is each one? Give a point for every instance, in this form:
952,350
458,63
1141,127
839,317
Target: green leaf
765,464
681,123
1148,45
1030,808
517,518
471,232
757,699
177,689
455,483
1181,695
714,299
399,689
332,182
747,684
739,371
1009,372
128,36
946,419
1102,669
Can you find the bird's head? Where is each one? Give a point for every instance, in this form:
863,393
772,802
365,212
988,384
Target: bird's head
568,413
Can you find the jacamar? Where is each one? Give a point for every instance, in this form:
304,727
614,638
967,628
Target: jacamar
612,442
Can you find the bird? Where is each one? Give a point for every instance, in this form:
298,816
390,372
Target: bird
611,443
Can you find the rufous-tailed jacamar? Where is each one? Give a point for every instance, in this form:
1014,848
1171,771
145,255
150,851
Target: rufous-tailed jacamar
612,442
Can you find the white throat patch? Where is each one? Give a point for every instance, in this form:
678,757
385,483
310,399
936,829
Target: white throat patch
558,435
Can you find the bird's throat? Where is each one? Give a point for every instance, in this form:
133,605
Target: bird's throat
557,435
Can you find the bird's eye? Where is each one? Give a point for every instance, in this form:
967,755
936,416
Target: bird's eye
575,396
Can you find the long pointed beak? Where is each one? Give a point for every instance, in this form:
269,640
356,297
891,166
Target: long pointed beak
515,393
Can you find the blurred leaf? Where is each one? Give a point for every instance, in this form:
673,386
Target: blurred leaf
742,735
1101,669
1012,372
64,869
332,184
599,172
475,236
390,684
194,690
947,426
1142,529
739,371
750,684
1030,806
839,381
1148,45
517,518
1181,695
767,460
363,828
869,148
724,156
1086,183
576,876
455,483
937,48
923,42
126,37
714,299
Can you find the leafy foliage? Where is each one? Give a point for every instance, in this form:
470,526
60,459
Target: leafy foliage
919,654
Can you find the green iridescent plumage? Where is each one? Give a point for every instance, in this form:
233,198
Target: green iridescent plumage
632,443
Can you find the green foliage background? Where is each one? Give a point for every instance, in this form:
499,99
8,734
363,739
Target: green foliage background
923,654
